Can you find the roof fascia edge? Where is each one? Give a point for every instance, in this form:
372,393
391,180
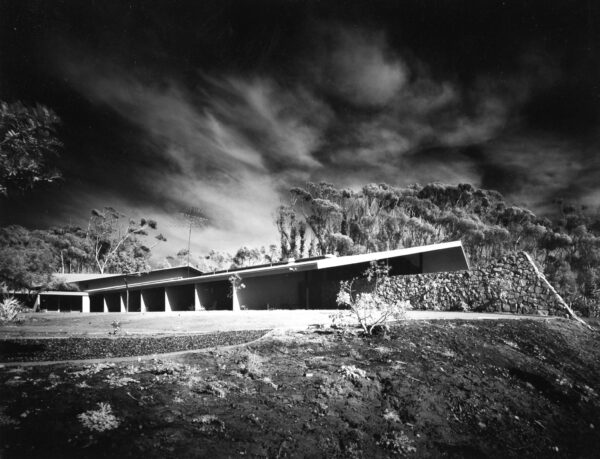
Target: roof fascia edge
281,269
374,256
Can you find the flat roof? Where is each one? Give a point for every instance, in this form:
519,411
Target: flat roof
73,278
59,293
315,263
79,278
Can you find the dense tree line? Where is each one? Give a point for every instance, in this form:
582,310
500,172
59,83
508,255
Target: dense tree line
321,218
111,243
216,260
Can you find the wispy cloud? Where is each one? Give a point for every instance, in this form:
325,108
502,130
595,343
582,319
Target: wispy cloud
284,124
360,113
231,150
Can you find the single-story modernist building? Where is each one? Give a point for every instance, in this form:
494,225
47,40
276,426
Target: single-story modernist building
309,283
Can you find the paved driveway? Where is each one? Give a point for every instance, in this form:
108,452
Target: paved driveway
99,324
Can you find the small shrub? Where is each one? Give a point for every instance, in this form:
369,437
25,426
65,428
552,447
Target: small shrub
120,381
462,307
167,367
594,310
215,388
10,309
352,373
251,364
100,420
371,308
116,328
397,442
391,416
209,423
587,306
5,419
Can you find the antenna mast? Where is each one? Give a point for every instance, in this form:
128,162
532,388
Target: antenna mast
195,218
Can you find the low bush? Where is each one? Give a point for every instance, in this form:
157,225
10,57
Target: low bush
100,420
587,307
372,304
116,328
10,309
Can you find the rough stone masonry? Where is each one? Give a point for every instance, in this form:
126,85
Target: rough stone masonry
509,284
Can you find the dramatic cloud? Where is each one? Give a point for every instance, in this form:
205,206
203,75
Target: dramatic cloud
231,150
234,144
556,165
359,67
351,107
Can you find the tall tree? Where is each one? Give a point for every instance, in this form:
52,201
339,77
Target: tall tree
292,233
320,210
116,245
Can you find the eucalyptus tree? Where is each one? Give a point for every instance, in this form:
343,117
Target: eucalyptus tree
292,232
115,243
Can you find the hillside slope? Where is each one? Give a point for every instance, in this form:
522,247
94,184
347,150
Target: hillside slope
440,388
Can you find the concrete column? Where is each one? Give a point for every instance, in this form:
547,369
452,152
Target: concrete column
105,303
123,301
38,302
197,304
167,302
142,302
235,300
85,304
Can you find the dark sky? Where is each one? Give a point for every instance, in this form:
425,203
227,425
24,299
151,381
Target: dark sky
224,105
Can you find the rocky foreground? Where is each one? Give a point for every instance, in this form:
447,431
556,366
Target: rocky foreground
425,389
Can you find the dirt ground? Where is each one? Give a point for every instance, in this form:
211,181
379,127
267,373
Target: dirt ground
444,388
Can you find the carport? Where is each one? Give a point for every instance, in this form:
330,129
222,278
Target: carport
63,301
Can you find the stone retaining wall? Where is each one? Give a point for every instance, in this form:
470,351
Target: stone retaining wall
509,284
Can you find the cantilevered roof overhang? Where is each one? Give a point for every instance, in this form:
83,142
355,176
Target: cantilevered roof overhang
452,258
447,256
